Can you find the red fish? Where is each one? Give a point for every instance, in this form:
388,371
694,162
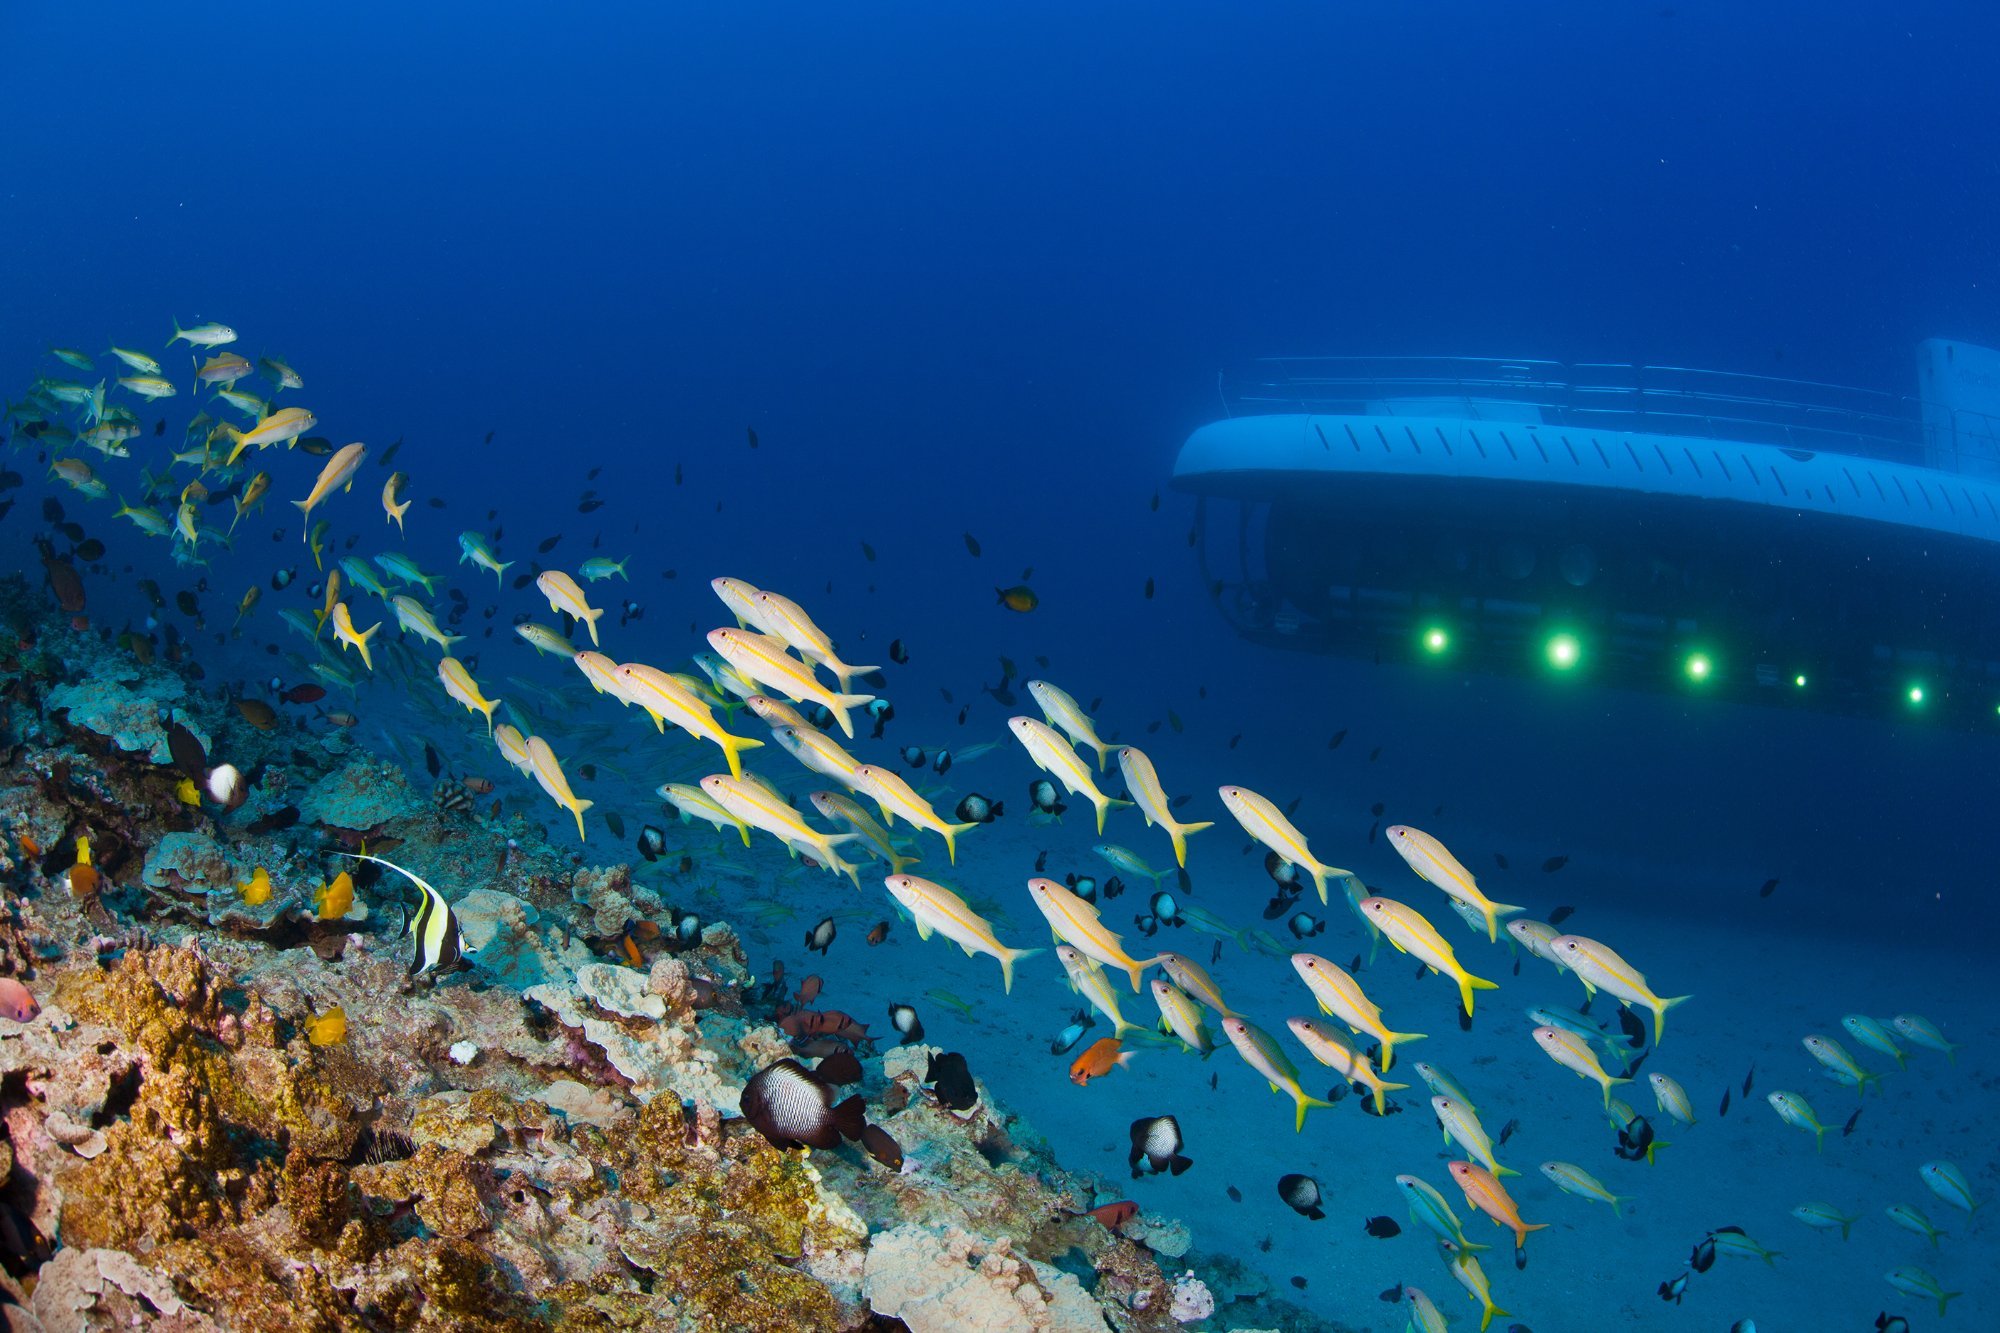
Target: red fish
15,1001
1100,1059
304,694
1115,1215
808,990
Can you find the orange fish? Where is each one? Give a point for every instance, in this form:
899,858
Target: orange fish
880,933
808,990
632,954
1102,1057
1115,1215
30,846
335,898
1484,1191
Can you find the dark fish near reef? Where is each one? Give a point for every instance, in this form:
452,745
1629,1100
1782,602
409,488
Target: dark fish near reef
879,933
898,653
652,842
1703,1257
1304,925
840,1068
188,755
1560,915
1553,864
304,694
1672,1290
1042,795
952,1082
976,809
1166,909
914,756
1381,1228
1301,1195
820,937
273,822
793,1107
904,1019
882,1147
1156,1140
1770,887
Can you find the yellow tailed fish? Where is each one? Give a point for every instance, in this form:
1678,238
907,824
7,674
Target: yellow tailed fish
414,618
838,805
1325,1046
1835,1057
788,621
758,807
1797,1112
1599,966
1462,1127
1053,755
1341,995
1914,1281
1181,1017
1465,1268
546,771
1825,1217
1151,798
338,472
765,660
1076,922
564,595
1573,1179
284,425
347,636
1574,1054
1088,980
1484,1191
667,698
459,684
817,751
1262,1054
1948,1182
937,909
893,796
1267,824
392,511
694,803
1671,1098
1406,928
1438,867
1062,713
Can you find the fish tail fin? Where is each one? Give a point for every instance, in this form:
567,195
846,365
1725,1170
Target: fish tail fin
487,708
1819,1138
1614,1201
951,832
1609,1084
1104,805
1180,834
732,747
1534,1226
577,808
848,868
1382,1091
1320,874
1137,971
1660,1015
589,618
839,704
1494,911
500,568
1304,1102
1389,1045
1490,1312
1467,984
1103,749
1009,957
1951,1054
845,672
1500,1170
1946,1298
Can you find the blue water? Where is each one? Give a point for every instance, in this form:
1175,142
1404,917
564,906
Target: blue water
975,272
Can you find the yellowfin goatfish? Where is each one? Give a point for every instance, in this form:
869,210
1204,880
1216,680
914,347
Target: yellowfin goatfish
694,803
1053,755
473,547
1439,868
936,908
1920,1031
1909,1219
1076,922
139,361
1341,995
1442,1084
1088,980
1948,1183
1538,938
1265,823
1573,1179
763,659
1574,1054
403,569
1181,1016
1839,1063
1825,1217
1262,1054
1875,1037
1429,1210
893,797
542,764
204,335
544,639
1671,1098
1484,1191
602,673
1466,1270
1598,966
459,684
1064,714
1425,1317
1325,1046
1797,1112
279,373
1461,1126
1406,928
565,596
836,805
761,808
1151,798
817,751
1129,861
148,386
253,495
775,713
414,618
786,620
338,473
347,636
391,510
1914,1281
1190,977
224,369
285,424
667,698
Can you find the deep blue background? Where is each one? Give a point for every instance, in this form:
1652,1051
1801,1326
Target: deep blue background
975,269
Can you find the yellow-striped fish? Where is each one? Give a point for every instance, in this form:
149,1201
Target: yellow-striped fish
282,426
893,797
694,803
1262,1054
1181,1016
1076,922
1465,1268
760,807
1267,824
1325,1046
546,771
1053,755
1192,978
1088,980
1341,995
1438,867
1797,1112
817,751
1406,928
564,595
1948,1182
1484,1191
787,620
1461,1126
459,684
1671,1098
1152,800
513,746
391,511
1598,965
1063,713
839,806
347,636
764,660
1573,1179
338,473
666,697
1838,1062
414,618
935,908
1574,1054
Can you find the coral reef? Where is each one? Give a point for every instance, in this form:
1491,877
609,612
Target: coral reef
545,1137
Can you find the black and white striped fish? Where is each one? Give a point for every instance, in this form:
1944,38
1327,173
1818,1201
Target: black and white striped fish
440,946
793,1107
